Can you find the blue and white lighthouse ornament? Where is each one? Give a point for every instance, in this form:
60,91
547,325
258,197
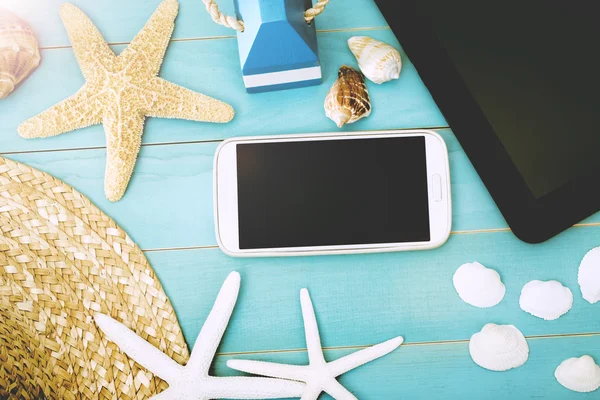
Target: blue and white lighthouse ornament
277,42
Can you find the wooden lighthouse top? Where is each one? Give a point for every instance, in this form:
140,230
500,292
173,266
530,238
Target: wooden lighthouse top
276,36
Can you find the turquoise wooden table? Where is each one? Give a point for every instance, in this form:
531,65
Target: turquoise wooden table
360,299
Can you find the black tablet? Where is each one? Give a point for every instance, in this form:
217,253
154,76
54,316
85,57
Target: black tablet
518,82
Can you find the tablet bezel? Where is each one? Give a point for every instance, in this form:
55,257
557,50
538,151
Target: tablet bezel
532,220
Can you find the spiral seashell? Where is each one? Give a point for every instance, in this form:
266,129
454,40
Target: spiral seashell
19,51
379,62
348,99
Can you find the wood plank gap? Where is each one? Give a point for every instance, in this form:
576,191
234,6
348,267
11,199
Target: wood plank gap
202,38
373,28
587,224
7,153
406,344
435,128
499,230
104,147
466,232
476,231
181,248
192,39
562,335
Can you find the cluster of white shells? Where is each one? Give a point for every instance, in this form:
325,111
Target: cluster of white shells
503,347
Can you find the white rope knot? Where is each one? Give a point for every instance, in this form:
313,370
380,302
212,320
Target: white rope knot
222,19
234,23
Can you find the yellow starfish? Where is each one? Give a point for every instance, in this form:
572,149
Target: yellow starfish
121,91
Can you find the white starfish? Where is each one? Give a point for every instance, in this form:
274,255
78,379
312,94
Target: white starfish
192,382
319,375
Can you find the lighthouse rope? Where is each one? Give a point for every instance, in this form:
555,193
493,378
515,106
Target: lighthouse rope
318,8
234,23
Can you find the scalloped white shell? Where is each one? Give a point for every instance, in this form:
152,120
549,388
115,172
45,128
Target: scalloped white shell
589,276
478,286
499,347
379,61
579,374
19,51
547,300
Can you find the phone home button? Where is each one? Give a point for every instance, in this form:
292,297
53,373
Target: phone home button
437,187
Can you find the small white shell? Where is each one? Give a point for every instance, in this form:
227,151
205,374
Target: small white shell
547,300
589,276
499,347
379,62
19,52
579,374
478,286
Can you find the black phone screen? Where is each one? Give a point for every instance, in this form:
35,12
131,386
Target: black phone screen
332,192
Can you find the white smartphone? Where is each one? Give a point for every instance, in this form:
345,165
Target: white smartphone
332,193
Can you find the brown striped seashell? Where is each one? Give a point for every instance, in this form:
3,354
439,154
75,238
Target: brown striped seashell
348,99
19,51
379,62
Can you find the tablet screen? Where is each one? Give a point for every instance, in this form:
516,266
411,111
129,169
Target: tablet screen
532,66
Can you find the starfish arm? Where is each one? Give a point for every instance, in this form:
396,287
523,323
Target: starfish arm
138,349
123,141
311,329
88,44
78,111
274,370
311,393
354,360
253,388
338,392
212,332
168,100
146,51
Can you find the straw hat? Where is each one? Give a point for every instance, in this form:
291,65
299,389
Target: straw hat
61,260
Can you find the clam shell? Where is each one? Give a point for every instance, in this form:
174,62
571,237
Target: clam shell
348,99
589,276
478,286
579,374
499,347
19,51
547,300
379,61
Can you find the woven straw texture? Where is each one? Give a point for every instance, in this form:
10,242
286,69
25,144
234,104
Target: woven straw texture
61,260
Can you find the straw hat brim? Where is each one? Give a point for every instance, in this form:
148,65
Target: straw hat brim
61,260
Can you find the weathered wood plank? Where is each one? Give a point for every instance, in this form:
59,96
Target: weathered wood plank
119,21
363,299
212,67
447,372
171,191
